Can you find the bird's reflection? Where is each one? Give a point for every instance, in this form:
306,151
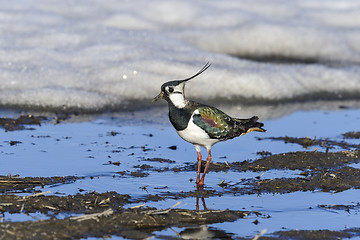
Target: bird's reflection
204,232
203,203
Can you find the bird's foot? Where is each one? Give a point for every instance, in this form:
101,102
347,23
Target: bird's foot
200,184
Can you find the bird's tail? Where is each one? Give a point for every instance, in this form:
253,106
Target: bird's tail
250,125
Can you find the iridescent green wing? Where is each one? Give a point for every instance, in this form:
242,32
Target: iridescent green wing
215,122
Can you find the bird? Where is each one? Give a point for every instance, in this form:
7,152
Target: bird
200,124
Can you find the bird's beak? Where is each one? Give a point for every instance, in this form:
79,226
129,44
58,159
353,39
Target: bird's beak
160,96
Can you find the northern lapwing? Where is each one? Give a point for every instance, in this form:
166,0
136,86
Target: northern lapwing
200,124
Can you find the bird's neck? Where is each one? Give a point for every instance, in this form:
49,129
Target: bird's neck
178,100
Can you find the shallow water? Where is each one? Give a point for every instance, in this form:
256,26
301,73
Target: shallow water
297,210
84,149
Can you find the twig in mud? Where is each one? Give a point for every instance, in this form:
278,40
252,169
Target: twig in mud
257,236
154,212
227,164
258,177
6,204
105,201
33,195
177,234
94,216
222,182
22,206
138,206
37,194
148,238
50,207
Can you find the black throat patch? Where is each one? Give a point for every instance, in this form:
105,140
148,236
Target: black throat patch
180,117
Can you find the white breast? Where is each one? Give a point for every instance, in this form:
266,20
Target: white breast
195,135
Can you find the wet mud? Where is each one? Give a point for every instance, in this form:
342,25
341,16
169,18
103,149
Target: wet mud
353,135
29,121
325,143
129,223
15,184
314,234
21,123
95,214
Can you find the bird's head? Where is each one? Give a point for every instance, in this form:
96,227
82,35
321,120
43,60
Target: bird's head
173,91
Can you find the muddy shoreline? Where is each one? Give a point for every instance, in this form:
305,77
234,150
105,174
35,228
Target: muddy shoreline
329,172
93,214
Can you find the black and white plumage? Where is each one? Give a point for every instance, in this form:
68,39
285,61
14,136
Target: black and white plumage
200,124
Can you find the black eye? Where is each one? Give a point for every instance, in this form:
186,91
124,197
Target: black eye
171,89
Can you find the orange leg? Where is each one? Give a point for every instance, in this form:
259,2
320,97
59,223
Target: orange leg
208,160
203,203
199,158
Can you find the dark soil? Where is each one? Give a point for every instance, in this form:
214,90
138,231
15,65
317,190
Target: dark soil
347,208
325,143
129,223
26,185
26,121
300,161
21,122
53,205
314,234
353,135
326,181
